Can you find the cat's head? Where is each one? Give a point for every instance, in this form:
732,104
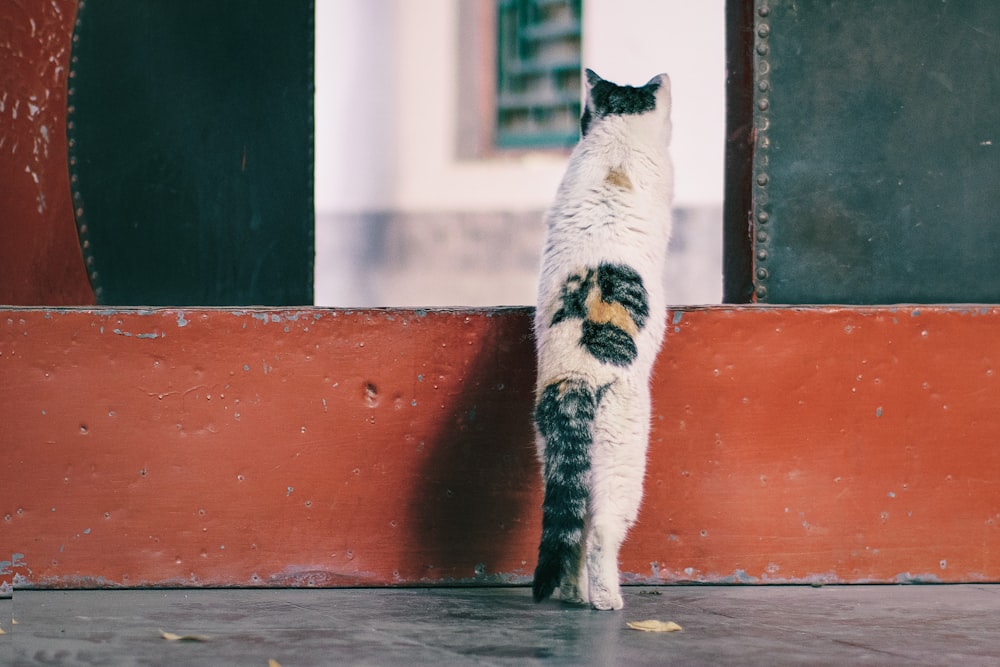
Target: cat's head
645,109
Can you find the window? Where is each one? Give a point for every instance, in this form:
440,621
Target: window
538,73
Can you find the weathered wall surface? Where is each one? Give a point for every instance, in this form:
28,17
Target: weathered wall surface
40,258
331,447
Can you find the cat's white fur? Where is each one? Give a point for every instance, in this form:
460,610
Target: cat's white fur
596,219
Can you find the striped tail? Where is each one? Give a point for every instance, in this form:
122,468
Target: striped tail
565,418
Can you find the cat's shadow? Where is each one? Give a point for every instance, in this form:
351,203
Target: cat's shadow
476,505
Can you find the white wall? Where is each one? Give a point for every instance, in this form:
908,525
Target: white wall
630,41
355,106
386,76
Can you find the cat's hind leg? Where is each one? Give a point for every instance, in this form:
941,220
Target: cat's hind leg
575,585
618,466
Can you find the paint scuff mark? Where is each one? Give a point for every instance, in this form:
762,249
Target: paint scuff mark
181,322
17,560
144,336
678,316
908,578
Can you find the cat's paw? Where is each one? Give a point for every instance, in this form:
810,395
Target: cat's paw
605,597
609,602
572,595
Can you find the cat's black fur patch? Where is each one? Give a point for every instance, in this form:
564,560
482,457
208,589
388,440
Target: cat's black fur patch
617,283
622,284
609,343
564,416
585,119
574,297
609,99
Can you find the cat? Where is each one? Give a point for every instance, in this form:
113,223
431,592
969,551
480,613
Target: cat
599,324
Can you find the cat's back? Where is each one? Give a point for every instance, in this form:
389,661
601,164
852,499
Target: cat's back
614,199
608,228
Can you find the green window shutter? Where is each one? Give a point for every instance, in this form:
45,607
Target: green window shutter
538,73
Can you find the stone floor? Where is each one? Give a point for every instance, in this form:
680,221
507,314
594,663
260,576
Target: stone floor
772,625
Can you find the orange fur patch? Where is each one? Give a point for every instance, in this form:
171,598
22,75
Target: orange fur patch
601,312
618,178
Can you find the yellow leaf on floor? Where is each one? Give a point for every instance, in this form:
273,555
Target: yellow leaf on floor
654,626
172,637
271,662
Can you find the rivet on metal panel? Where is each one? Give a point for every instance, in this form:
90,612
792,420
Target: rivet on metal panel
762,124
86,246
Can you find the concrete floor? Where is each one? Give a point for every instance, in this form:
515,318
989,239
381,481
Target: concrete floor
834,625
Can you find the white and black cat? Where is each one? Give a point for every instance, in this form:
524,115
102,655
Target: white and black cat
599,325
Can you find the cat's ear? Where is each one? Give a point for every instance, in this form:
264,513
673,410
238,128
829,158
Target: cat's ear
661,85
659,80
592,80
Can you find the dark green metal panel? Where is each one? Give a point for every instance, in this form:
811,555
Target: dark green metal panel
191,150
876,151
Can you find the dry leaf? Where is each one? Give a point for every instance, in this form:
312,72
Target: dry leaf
2,632
271,662
171,637
654,626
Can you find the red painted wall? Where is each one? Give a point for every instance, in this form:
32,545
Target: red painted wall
324,447
40,257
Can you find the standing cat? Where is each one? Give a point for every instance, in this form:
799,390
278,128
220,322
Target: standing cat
598,326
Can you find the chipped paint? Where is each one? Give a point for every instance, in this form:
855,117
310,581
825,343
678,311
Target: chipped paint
908,578
39,262
143,336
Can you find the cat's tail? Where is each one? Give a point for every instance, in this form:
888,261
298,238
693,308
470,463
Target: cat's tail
564,416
